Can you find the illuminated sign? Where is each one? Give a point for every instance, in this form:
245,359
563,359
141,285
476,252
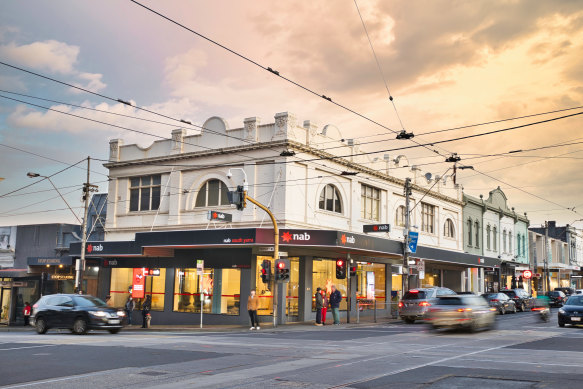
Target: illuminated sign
376,228
139,283
220,216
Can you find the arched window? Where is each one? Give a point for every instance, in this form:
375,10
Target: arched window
524,246
448,229
469,232
504,241
495,236
518,244
212,193
477,226
400,216
510,251
488,231
330,199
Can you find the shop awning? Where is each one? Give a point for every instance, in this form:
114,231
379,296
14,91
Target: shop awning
13,273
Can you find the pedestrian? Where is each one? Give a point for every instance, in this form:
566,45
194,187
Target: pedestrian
108,301
325,303
26,313
146,306
252,305
335,299
129,308
319,306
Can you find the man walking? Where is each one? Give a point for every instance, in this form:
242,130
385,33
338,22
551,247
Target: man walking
130,306
335,299
252,305
319,306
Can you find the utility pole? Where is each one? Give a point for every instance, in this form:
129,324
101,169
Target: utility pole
80,262
546,269
405,275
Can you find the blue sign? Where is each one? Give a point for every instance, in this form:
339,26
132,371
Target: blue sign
412,245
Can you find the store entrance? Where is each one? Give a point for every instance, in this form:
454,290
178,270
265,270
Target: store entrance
4,305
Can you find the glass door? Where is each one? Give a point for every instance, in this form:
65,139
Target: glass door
4,305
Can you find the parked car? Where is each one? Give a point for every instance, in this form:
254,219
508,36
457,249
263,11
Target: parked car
465,311
523,300
416,302
572,311
78,313
567,291
556,298
501,302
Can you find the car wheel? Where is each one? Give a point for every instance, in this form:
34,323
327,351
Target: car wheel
522,307
409,320
114,330
502,310
80,327
41,326
561,324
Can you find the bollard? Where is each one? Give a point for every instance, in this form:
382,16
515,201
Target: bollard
357,312
148,320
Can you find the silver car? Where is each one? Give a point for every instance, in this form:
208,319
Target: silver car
416,302
471,312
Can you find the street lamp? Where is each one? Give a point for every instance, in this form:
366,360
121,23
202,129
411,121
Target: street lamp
35,175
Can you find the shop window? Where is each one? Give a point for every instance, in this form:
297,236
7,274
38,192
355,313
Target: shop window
371,281
330,199
212,193
448,229
370,201
469,222
488,231
219,291
121,282
292,296
324,276
427,218
477,232
495,236
400,216
145,193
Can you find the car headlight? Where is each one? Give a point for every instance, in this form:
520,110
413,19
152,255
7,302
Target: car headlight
561,311
121,313
97,313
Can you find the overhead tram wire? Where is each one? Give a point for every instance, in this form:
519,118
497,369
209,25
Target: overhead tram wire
50,190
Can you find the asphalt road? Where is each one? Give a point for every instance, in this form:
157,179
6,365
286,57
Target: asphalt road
521,353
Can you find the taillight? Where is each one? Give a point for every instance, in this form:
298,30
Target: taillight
424,304
494,300
401,304
464,309
35,306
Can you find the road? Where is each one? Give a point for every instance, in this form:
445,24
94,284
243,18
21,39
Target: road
521,353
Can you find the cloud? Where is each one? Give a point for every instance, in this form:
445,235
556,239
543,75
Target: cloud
51,55
93,83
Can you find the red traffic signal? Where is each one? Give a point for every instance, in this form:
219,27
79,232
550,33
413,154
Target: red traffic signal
339,262
280,265
340,269
266,271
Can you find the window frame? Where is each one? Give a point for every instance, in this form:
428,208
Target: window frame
470,235
141,188
370,195
477,233
427,217
400,212
488,232
449,229
495,236
335,200
220,201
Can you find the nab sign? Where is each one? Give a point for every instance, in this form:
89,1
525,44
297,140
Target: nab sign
376,228
220,216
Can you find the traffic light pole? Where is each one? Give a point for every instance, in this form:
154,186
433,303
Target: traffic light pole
405,275
275,249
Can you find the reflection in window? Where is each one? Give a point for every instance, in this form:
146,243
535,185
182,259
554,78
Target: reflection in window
220,290
145,193
330,199
212,193
371,280
121,282
324,276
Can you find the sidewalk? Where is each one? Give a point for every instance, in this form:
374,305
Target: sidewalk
295,326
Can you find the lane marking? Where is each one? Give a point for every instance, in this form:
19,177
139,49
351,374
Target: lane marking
24,347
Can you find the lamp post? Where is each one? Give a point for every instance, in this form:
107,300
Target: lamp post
35,175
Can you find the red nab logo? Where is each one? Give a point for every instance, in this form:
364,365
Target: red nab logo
90,248
214,215
286,237
347,239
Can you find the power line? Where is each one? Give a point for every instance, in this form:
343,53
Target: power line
50,190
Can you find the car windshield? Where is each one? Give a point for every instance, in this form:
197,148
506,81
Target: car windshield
415,295
89,301
509,293
490,295
575,300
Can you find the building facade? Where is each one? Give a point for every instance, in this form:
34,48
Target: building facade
321,190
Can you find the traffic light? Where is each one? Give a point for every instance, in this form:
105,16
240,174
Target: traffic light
340,269
352,270
237,197
282,269
266,271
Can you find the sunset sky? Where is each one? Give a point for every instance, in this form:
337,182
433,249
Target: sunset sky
447,64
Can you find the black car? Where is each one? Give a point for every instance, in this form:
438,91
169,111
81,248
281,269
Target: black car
523,300
567,291
572,311
75,312
556,298
501,302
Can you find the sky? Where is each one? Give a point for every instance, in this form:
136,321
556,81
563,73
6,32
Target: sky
447,64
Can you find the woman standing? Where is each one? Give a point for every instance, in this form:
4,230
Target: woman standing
146,306
252,305
319,306
324,307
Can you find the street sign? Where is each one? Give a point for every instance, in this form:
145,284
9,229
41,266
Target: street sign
420,265
526,274
412,245
537,275
376,228
219,216
199,267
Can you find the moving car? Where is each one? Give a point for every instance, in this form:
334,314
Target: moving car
78,313
501,302
523,300
567,291
471,312
416,302
572,311
556,298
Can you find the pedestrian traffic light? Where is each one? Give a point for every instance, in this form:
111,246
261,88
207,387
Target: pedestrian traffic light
340,269
237,197
282,270
266,271
352,270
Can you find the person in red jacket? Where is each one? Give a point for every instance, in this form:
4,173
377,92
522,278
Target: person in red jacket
26,313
